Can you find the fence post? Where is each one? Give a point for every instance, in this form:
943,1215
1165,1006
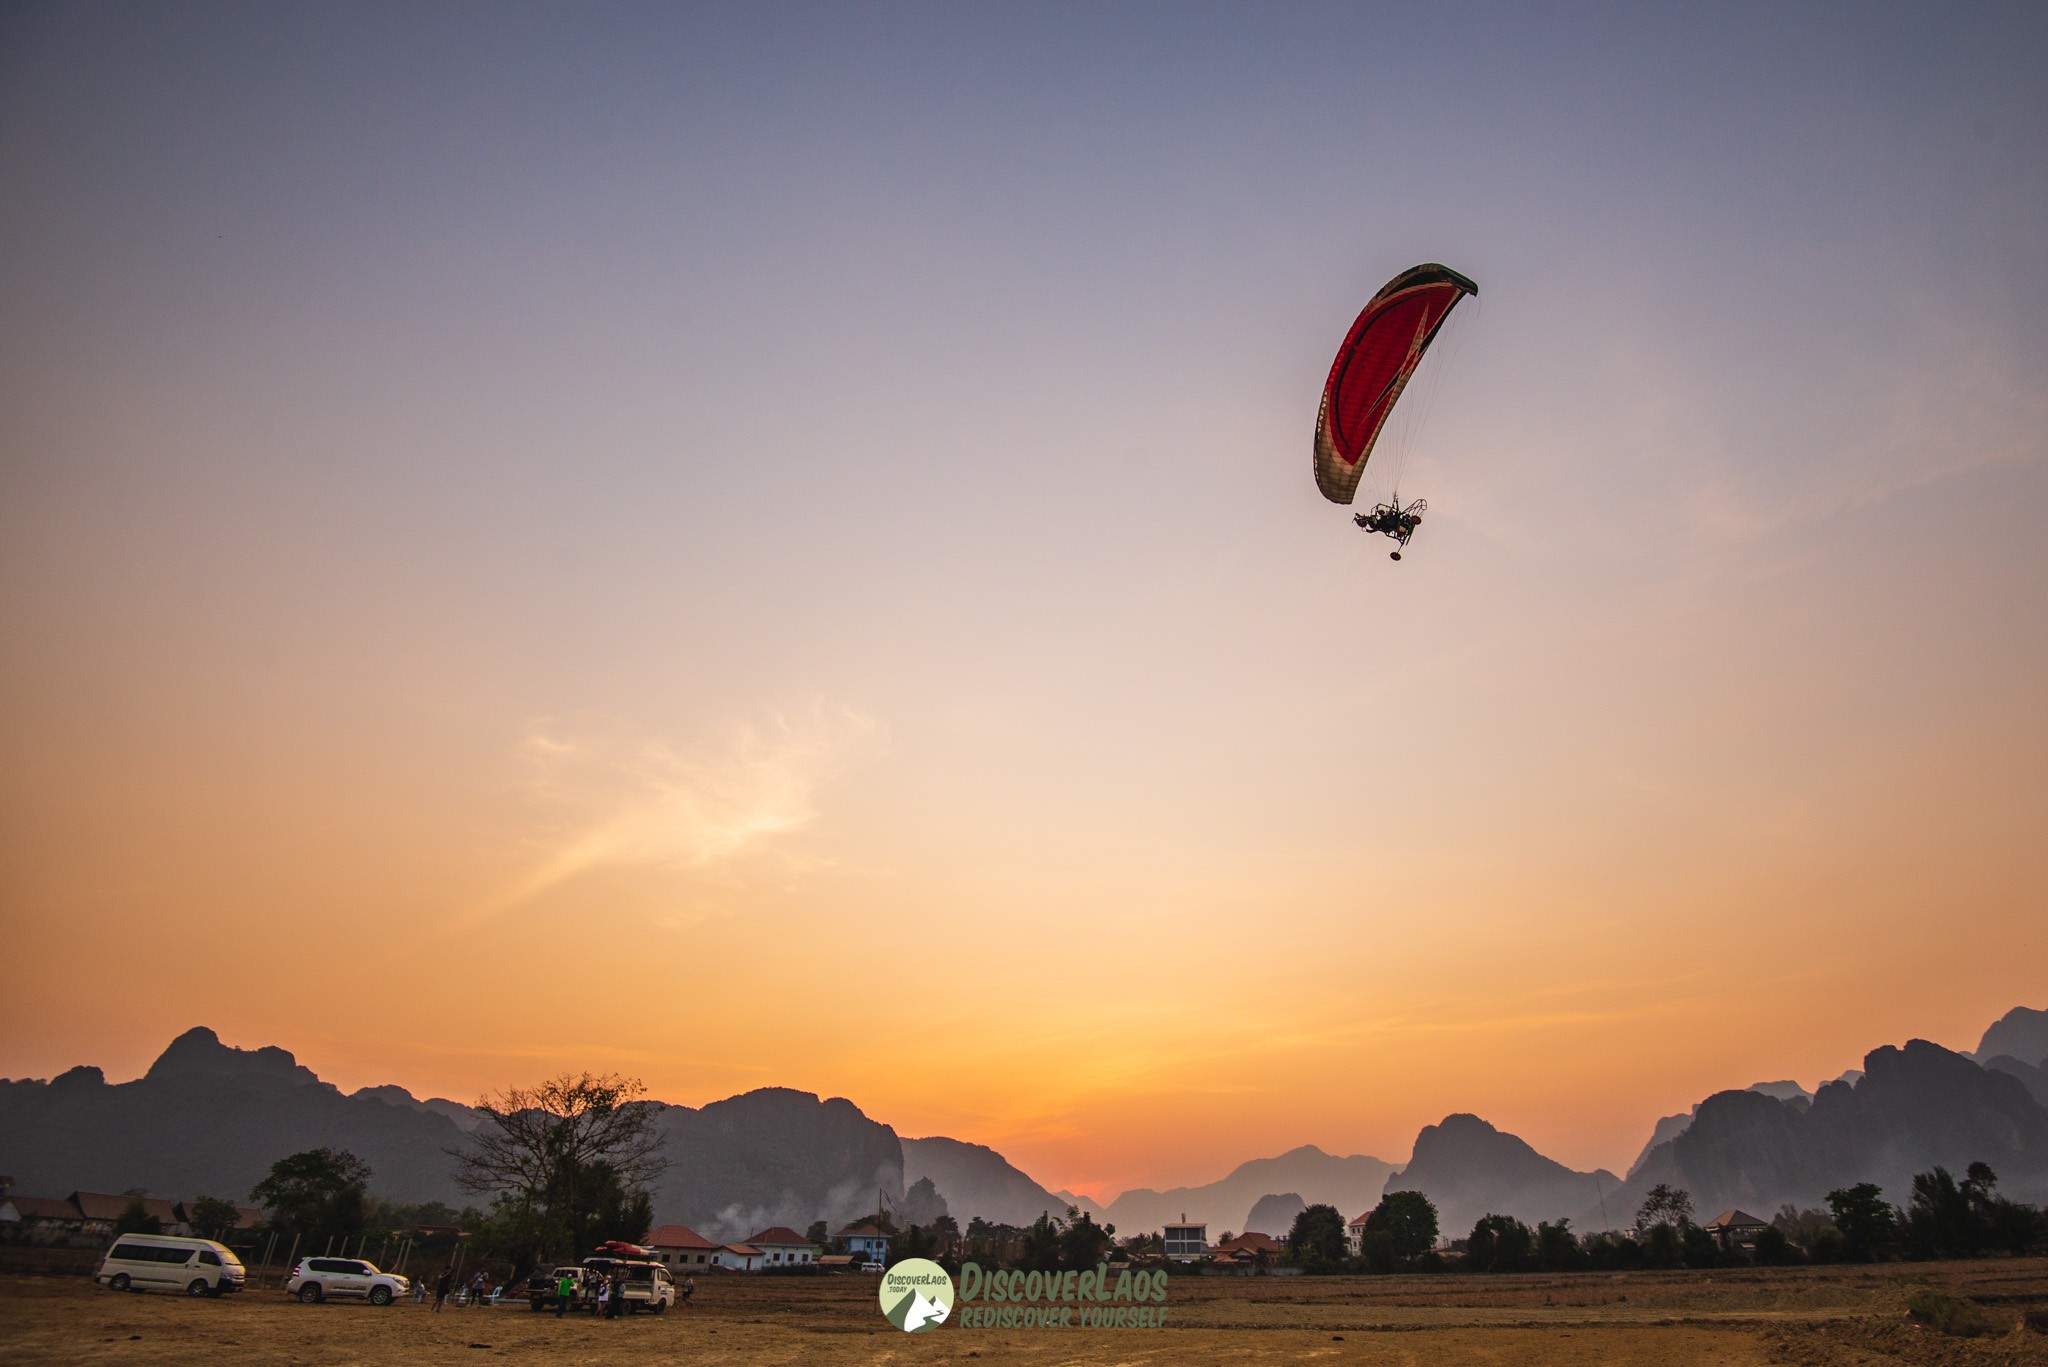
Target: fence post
290,1260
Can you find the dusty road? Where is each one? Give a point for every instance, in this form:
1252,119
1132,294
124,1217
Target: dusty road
1816,1317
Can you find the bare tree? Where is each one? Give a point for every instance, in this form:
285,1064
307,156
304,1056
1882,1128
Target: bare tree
549,1151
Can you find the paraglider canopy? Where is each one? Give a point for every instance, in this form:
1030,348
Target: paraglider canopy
1379,355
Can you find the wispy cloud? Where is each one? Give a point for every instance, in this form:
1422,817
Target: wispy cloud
622,798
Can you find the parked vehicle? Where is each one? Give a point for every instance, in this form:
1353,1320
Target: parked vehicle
198,1267
648,1285
543,1288
315,1279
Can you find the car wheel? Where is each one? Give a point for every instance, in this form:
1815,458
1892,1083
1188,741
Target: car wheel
198,1287
534,1306
309,1294
380,1295
118,1282
658,1307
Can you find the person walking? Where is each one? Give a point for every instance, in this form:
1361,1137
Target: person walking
442,1284
689,1287
565,1289
618,1290
479,1287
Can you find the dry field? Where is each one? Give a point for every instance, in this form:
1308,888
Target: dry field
1817,1316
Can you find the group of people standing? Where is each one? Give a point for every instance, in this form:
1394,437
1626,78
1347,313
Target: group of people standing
606,1290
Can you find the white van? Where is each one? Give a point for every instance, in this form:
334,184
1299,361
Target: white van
198,1267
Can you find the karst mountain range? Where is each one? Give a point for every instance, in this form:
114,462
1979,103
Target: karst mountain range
209,1119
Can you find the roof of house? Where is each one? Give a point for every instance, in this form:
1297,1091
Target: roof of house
1735,1219
1248,1247
246,1217
779,1234
100,1205
677,1236
1361,1221
864,1230
45,1208
744,1250
1188,1224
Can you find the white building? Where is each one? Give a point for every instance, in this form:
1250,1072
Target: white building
783,1247
1186,1240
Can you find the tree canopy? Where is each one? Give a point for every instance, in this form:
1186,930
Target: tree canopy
317,1194
568,1164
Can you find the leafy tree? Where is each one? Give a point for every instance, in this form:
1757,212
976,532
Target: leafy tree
1866,1221
1665,1205
1316,1242
214,1218
319,1194
1039,1249
916,1241
1611,1252
567,1163
1083,1242
1499,1243
1772,1248
1408,1218
136,1219
1939,1221
819,1233
1801,1227
1698,1247
1379,1251
1662,1246
1557,1249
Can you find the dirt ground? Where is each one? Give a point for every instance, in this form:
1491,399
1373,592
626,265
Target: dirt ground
1810,1317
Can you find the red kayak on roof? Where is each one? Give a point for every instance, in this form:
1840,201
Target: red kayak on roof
1379,355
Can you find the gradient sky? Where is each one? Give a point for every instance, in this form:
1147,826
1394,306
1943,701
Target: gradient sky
775,545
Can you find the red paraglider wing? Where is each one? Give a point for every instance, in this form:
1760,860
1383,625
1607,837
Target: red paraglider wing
1379,354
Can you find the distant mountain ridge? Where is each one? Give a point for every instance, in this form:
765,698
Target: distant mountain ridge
1470,1169
1913,1108
208,1120
976,1180
2021,1033
1352,1184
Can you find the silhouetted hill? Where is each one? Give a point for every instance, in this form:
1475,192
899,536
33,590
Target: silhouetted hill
2021,1033
209,1120
774,1157
2033,1076
976,1180
1672,1126
1274,1215
1911,1109
1350,1184
1470,1169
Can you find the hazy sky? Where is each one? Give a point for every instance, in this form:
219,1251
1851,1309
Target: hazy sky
776,545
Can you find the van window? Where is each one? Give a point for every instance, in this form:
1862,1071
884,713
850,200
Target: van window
330,1265
130,1253
208,1257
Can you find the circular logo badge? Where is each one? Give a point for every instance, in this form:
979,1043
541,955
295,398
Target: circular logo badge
917,1295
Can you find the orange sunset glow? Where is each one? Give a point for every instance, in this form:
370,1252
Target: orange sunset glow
747,570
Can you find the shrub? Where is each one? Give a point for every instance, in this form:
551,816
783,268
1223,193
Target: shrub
1949,1314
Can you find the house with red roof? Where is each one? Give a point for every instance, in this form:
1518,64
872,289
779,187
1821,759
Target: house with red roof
1250,1249
680,1247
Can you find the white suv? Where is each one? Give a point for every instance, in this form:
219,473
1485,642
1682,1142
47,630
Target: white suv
315,1279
